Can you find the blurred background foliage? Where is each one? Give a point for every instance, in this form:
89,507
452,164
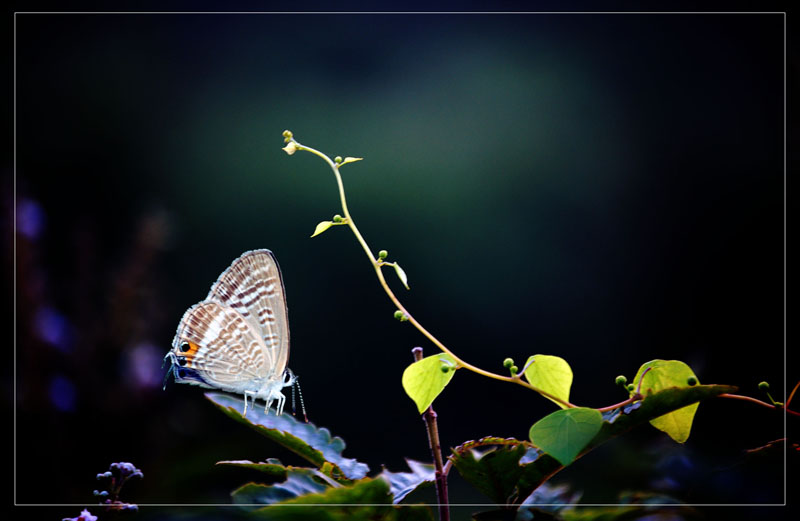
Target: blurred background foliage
605,188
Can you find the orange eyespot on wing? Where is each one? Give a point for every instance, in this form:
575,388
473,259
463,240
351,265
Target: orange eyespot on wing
188,349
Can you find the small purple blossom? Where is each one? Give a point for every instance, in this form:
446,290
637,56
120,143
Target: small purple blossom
117,475
85,516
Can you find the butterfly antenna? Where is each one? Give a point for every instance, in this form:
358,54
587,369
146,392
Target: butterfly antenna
166,376
302,403
294,408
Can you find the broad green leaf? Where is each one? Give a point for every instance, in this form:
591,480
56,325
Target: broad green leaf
495,472
551,374
298,482
537,467
304,439
401,275
367,499
424,380
565,433
662,375
321,227
404,483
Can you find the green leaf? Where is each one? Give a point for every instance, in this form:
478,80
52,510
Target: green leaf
304,439
272,467
662,375
551,374
321,227
351,160
401,274
494,472
404,483
538,466
299,482
367,499
424,380
564,434
550,499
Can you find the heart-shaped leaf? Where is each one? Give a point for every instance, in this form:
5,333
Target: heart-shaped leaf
551,374
565,433
425,379
663,374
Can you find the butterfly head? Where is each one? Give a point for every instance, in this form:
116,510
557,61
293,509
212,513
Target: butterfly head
181,358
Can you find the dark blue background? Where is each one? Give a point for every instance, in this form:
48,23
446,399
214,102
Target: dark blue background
608,188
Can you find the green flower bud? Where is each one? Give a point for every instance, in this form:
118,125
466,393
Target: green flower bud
337,218
691,380
337,160
630,388
508,363
399,315
621,380
764,386
287,134
383,254
514,369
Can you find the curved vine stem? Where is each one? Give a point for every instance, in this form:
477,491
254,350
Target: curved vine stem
292,146
759,402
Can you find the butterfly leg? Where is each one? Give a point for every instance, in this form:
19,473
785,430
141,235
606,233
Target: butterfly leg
281,401
252,394
275,396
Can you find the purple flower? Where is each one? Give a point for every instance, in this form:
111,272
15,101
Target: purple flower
85,516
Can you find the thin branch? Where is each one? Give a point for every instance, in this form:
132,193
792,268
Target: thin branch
758,402
623,403
429,417
789,400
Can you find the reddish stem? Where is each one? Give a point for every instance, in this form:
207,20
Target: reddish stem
758,402
429,416
789,400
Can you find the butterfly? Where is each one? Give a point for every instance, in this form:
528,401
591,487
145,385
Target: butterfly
237,339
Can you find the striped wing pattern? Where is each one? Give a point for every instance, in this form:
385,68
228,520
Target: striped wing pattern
223,347
238,338
253,286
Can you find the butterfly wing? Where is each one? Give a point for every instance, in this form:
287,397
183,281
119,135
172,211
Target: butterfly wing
215,346
253,287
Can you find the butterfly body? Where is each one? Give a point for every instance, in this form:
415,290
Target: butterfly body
237,339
